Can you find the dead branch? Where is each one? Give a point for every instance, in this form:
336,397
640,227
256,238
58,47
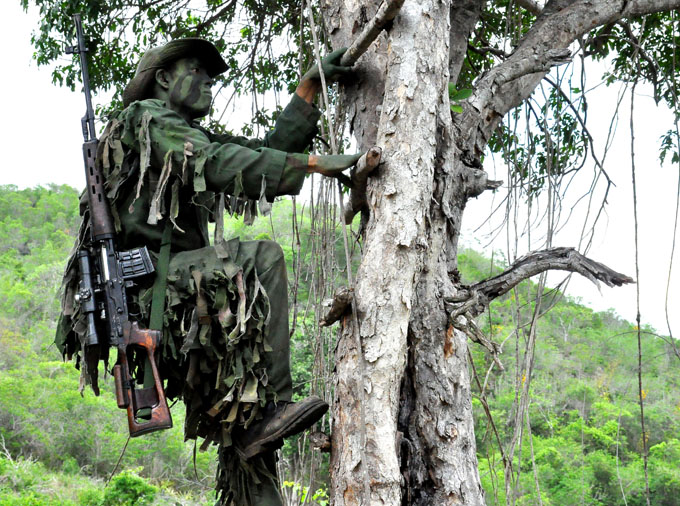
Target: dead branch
471,301
359,175
386,13
475,298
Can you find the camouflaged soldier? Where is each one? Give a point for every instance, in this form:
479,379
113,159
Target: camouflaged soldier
225,347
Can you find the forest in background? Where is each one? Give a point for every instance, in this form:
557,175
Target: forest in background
583,446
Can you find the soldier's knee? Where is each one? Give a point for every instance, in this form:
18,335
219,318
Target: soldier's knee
271,249
269,254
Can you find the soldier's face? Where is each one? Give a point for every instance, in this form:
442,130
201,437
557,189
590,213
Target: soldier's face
189,91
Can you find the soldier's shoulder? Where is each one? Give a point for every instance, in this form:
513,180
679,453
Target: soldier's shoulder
148,104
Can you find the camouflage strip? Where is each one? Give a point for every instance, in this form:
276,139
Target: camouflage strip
111,156
158,201
199,173
188,152
144,153
174,204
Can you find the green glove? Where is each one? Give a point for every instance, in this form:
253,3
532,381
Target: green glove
332,69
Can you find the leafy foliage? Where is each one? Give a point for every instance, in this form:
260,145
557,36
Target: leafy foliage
118,32
128,489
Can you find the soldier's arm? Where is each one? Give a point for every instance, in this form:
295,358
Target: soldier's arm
293,132
188,153
230,168
333,71
296,125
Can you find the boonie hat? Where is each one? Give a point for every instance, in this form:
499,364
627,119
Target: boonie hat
162,56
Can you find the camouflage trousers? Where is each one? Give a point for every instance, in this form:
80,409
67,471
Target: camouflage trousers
258,262
226,352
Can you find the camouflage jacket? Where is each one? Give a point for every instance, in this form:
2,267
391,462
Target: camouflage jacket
146,144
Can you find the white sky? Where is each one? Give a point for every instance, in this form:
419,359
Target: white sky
42,137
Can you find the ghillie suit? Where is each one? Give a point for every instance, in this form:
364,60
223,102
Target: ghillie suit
225,346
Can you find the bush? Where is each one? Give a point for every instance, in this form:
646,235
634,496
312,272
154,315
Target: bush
129,489
91,497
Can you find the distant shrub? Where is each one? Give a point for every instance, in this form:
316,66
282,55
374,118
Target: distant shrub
129,489
91,497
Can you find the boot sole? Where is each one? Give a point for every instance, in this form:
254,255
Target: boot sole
304,420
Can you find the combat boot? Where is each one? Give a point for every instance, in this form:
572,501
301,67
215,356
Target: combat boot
280,420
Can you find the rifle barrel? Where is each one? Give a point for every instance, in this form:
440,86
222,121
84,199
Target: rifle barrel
89,131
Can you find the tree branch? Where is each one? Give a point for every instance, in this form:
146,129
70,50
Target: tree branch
386,13
463,16
476,297
633,8
205,23
531,6
338,306
559,24
470,302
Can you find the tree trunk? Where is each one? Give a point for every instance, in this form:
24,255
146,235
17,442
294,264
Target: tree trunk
402,420
403,431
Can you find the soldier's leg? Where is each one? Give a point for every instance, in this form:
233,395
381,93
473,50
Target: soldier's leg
282,419
266,493
269,263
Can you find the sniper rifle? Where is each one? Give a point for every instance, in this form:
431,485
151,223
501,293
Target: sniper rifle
104,275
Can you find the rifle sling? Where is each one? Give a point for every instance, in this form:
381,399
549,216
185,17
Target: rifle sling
158,295
161,281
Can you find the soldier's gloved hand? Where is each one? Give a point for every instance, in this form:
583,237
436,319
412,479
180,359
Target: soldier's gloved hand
332,69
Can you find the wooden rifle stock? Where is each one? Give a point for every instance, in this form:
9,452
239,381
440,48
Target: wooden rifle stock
135,399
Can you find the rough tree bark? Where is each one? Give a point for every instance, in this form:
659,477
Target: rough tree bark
402,417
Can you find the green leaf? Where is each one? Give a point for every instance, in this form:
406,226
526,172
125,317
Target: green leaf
456,108
459,95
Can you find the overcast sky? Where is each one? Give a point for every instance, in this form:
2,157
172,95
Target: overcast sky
42,137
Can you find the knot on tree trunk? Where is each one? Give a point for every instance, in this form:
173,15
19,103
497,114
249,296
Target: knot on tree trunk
478,182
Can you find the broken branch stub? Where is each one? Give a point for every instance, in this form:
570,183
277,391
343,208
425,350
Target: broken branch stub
338,307
357,196
320,441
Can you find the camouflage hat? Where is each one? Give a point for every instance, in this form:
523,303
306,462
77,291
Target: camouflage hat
162,56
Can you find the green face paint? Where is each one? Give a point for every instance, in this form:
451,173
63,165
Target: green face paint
189,91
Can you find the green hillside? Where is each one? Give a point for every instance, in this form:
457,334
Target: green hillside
584,411
57,447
